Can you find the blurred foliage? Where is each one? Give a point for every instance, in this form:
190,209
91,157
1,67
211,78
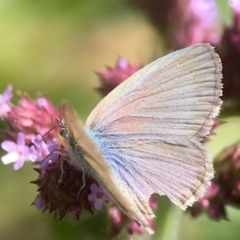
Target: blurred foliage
53,47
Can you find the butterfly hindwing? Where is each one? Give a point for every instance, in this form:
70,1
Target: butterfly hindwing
149,129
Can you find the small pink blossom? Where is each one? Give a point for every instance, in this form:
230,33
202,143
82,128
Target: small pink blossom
17,152
98,196
115,215
113,76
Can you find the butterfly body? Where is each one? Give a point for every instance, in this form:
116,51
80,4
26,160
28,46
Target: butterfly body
84,155
146,135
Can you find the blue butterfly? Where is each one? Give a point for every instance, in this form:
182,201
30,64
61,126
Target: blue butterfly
146,135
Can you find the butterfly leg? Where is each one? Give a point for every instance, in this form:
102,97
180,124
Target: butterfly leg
83,185
60,180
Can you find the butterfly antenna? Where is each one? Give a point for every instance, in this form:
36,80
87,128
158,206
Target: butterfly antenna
59,119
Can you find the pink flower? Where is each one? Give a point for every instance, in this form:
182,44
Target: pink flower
31,117
113,76
17,152
98,196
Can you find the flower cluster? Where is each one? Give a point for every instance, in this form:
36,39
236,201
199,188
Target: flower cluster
32,134
113,76
182,23
230,54
225,187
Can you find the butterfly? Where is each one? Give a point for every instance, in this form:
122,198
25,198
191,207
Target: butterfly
146,135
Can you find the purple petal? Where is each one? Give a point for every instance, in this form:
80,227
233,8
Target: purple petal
41,102
106,198
7,95
9,146
39,203
94,188
91,197
21,140
26,152
44,163
98,205
38,141
33,154
19,163
10,157
41,146
52,157
122,63
206,11
51,146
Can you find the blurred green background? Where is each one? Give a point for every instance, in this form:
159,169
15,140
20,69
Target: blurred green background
54,47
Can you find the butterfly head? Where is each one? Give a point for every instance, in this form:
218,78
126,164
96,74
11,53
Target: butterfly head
63,130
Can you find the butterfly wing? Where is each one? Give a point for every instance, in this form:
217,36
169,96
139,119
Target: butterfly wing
93,163
149,129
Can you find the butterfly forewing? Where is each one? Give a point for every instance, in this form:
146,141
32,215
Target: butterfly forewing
149,129
86,156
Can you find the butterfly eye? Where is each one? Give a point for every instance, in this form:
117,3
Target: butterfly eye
63,132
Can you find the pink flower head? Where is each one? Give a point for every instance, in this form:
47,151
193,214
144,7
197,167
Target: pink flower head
42,151
62,197
4,100
98,196
31,117
113,76
182,23
200,25
17,152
